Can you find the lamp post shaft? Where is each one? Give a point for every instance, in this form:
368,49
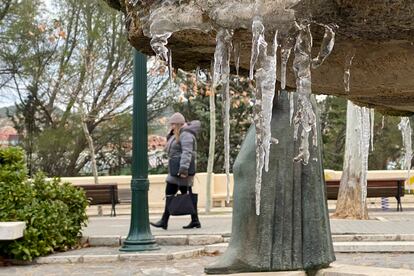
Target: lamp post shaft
139,237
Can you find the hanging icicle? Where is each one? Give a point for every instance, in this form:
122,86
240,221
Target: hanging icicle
265,77
405,128
285,51
372,117
327,45
305,116
364,150
236,53
347,73
221,76
291,108
258,42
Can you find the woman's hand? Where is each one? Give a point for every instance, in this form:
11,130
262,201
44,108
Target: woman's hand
183,175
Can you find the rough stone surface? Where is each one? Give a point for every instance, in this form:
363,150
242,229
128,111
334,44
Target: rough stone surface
187,253
349,270
104,240
172,240
204,239
100,258
379,265
380,31
216,248
11,230
364,246
59,260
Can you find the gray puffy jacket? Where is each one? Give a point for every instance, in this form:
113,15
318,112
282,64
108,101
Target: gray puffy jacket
186,150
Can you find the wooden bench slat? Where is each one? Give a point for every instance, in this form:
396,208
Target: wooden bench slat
101,194
375,188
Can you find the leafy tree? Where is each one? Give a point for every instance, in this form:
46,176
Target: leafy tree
72,75
333,128
387,137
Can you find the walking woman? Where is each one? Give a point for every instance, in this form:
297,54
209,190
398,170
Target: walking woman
181,149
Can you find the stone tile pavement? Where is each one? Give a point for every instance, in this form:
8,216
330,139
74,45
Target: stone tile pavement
380,223
193,266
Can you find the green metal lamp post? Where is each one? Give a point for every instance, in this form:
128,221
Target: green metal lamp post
139,237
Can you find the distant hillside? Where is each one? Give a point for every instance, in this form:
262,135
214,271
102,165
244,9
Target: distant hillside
3,111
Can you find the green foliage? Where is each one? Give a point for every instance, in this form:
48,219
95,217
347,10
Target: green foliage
387,137
333,127
195,106
54,212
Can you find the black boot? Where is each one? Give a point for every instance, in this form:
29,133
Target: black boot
163,222
195,223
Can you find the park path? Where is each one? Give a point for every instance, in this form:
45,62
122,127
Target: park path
390,222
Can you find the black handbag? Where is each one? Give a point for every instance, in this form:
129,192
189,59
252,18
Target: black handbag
174,166
182,204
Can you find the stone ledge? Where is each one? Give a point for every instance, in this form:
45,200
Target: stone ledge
353,270
373,246
338,270
114,240
12,230
204,239
104,258
373,237
344,247
104,240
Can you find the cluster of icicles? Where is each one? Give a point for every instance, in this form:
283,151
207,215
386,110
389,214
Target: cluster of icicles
263,67
170,16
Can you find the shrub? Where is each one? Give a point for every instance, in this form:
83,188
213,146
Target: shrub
54,212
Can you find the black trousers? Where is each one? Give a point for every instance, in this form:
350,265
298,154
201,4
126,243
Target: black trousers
172,189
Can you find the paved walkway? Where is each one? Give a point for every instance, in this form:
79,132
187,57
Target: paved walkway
194,266
389,222
380,223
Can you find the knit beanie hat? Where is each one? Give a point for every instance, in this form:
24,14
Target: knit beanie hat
177,118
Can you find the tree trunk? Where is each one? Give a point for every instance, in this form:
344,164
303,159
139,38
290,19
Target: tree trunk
351,201
211,150
91,150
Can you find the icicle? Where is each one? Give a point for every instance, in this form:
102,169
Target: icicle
221,75
258,41
284,56
237,57
265,90
305,116
292,107
158,42
266,81
326,47
347,72
285,53
405,128
372,117
364,149
170,67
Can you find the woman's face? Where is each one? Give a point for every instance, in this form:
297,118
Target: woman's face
175,127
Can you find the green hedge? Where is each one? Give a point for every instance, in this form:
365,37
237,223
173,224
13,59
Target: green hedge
54,212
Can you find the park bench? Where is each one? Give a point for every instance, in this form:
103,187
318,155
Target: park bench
388,187
101,194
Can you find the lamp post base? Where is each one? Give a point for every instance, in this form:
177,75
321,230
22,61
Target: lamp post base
134,246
